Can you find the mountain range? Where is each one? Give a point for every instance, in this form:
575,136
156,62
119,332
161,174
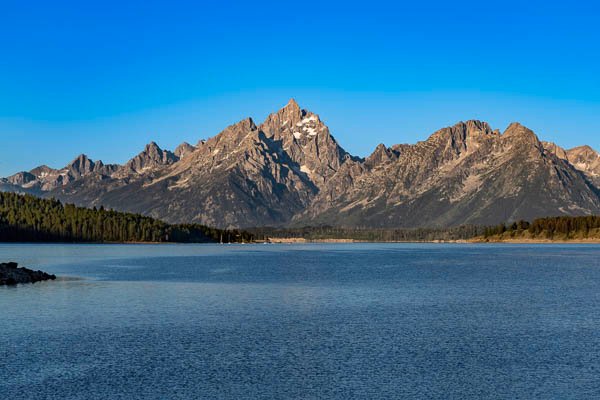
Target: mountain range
291,171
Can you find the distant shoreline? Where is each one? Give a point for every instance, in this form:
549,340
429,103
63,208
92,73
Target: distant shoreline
334,240
460,241
537,241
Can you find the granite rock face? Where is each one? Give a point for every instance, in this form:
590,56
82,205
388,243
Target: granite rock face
183,150
11,274
464,174
583,158
290,170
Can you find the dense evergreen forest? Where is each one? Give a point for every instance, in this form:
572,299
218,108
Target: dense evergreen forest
25,218
554,228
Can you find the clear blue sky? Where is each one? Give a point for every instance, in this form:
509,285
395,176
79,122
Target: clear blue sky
106,77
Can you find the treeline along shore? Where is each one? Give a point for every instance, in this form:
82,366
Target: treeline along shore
584,229
552,229
329,233
26,218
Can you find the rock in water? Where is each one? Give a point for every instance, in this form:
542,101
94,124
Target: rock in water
11,274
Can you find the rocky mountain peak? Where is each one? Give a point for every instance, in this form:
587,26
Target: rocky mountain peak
232,135
42,171
286,117
474,126
380,155
520,135
586,160
245,125
466,173
152,149
183,150
583,158
462,131
306,139
292,105
456,141
44,178
584,151
150,158
556,150
21,178
516,129
80,166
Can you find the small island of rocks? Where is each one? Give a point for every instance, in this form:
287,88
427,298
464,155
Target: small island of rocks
11,274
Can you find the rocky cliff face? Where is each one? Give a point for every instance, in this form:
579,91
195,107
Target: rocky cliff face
466,174
289,170
586,160
583,158
307,141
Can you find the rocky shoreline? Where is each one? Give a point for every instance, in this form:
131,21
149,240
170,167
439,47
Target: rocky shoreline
11,274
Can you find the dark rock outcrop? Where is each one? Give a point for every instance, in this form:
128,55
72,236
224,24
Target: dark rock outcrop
11,274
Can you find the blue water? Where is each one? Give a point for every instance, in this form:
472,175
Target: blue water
339,321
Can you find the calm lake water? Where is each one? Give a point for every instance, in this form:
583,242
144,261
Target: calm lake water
334,321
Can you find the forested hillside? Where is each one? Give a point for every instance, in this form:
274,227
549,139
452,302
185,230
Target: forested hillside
25,218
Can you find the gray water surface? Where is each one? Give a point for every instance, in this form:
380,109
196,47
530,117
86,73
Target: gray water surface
334,321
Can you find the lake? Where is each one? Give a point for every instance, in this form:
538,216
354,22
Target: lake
309,321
